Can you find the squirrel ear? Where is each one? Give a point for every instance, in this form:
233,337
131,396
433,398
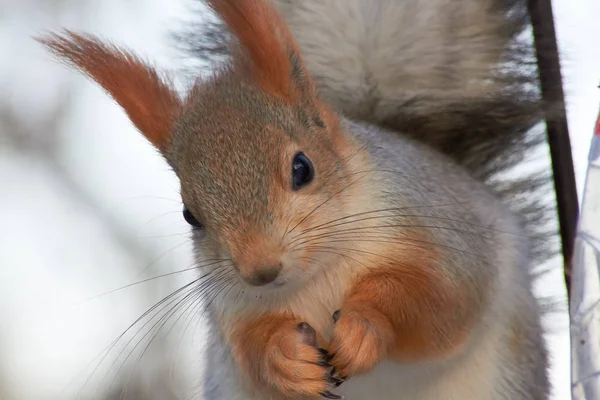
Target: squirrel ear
270,53
150,102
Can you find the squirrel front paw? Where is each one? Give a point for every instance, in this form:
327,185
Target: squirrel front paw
362,337
296,366
289,363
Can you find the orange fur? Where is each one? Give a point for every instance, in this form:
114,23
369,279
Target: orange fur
150,102
267,42
407,311
270,350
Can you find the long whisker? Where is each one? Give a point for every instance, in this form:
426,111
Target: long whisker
157,259
319,249
164,319
168,235
344,163
398,241
160,216
196,306
154,331
229,283
390,171
192,268
104,353
150,197
353,250
287,231
439,219
193,314
317,227
300,236
190,300
367,228
312,260
172,303
320,205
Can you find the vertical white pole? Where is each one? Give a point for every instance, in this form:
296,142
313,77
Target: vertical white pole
585,285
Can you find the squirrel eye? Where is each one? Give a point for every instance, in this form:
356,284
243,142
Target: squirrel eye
190,219
302,171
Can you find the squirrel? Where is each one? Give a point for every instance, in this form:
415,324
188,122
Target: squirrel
338,171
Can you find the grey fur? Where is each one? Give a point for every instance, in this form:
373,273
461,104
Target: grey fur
486,247
439,100
455,76
458,75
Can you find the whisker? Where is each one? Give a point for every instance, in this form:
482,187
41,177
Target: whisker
322,204
399,241
194,267
104,353
312,260
364,228
153,332
319,249
160,216
169,224
151,197
191,301
344,163
172,303
371,212
215,295
357,251
431,217
157,259
401,173
162,321
346,187
192,314
165,236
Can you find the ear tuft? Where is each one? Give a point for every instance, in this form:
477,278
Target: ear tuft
150,101
273,54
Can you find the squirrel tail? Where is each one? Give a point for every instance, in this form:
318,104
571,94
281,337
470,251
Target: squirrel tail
458,75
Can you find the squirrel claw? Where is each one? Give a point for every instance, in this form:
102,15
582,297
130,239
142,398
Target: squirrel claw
325,355
341,380
335,379
327,394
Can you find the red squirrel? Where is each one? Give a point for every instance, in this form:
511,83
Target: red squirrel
357,259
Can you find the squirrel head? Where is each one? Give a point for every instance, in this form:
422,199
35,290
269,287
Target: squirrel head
260,158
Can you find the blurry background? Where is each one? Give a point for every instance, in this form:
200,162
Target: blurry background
87,206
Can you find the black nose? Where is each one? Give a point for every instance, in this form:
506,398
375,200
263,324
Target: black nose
264,275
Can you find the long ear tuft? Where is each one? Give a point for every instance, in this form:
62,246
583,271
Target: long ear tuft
150,102
274,56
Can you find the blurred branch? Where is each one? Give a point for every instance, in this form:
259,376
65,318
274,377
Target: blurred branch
37,134
40,138
43,142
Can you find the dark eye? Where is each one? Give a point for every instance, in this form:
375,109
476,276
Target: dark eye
190,219
302,171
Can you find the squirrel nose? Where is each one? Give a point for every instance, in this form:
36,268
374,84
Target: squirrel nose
263,275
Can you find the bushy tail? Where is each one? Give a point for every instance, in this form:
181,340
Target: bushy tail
458,75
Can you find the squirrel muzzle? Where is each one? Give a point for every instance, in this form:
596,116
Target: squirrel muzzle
258,262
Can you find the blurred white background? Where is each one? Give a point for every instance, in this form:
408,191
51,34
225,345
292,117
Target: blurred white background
87,206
